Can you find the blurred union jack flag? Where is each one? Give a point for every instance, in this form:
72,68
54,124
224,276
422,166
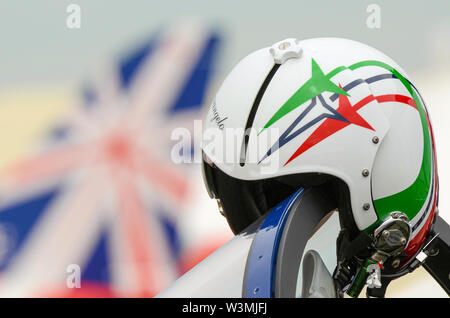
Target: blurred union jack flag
101,191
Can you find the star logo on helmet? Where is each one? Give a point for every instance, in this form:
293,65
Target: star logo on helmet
332,125
335,120
317,84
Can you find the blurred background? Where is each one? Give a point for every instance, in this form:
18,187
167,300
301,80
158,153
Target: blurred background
86,116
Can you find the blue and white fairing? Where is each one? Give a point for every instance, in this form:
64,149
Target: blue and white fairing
264,260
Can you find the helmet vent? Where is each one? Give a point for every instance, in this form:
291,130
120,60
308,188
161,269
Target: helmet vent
251,116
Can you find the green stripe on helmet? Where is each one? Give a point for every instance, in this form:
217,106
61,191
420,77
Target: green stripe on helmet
413,198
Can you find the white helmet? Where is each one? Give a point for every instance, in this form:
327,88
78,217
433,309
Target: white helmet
318,112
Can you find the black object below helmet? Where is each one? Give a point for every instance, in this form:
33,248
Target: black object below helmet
244,201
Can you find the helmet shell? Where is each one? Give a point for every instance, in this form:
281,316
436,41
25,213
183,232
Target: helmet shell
330,106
